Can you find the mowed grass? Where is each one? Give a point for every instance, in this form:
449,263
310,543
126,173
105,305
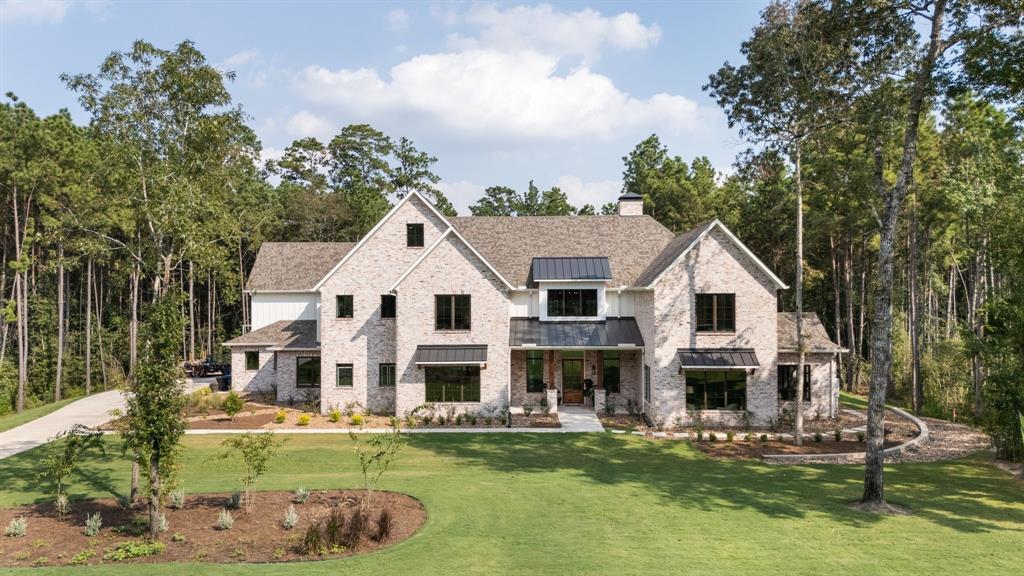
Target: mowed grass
610,504
15,419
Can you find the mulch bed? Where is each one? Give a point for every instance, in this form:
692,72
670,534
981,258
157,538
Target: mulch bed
535,421
623,422
755,450
255,537
223,422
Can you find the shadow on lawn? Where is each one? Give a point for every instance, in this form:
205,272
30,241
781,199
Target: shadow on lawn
965,496
20,473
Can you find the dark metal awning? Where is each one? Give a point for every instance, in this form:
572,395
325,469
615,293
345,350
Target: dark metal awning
451,354
718,358
612,332
577,268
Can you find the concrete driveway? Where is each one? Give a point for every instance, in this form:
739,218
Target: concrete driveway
90,411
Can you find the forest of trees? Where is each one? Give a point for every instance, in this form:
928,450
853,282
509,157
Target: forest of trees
905,150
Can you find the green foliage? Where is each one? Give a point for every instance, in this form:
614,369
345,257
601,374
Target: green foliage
177,499
376,455
357,420
291,518
63,455
16,528
93,523
225,520
280,416
304,420
255,450
301,495
133,549
505,201
83,557
335,415
235,500
233,404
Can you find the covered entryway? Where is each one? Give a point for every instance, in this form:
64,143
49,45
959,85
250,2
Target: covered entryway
572,380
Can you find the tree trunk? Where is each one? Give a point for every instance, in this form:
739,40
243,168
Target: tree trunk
154,497
836,303
133,325
977,323
88,327
853,358
133,493
241,289
881,333
916,386
21,303
798,432
60,323
99,331
191,311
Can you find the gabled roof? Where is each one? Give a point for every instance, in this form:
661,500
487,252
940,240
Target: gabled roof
574,268
281,335
510,243
682,244
816,338
286,266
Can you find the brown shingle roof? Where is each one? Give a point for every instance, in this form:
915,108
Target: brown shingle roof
283,334
816,339
510,243
294,265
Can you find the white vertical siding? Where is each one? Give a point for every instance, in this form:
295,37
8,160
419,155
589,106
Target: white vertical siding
519,305
270,307
627,304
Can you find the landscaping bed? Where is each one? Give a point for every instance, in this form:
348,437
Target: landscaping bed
193,533
756,449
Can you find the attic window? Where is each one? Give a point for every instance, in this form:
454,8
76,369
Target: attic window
414,235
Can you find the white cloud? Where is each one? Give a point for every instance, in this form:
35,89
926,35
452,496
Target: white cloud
240,58
542,28
461,194
34,11
398,20
514,94
597,193
305,123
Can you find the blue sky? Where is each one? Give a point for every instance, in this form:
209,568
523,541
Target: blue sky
501,93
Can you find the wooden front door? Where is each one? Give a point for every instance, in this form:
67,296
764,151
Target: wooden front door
572,381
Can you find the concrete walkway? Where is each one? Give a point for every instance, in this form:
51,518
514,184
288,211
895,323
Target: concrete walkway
89,411
579,419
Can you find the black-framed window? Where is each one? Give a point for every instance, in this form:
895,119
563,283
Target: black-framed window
716,312
572,302
345,305
787,382
343,375
387,376
414,235
387,305
716,389
610,372
535,371
307,372
647,384
252,360
452,383
452,311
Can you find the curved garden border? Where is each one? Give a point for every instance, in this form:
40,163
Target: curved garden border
856,457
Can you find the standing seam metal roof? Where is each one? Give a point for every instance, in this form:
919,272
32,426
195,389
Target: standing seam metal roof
571,268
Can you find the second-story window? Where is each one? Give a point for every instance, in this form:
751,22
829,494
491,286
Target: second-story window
345,307
716,312
572,302
452,312
414,235
387,306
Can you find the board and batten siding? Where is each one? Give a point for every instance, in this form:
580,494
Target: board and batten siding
527,303
270,307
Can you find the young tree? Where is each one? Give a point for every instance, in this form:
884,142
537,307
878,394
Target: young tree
153,422
63,453
256,450
376,456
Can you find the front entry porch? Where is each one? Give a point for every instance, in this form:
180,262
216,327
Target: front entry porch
592,379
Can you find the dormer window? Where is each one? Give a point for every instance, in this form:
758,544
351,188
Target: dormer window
572,302
414,235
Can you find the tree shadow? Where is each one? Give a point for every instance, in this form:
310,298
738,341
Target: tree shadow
96,474
967,496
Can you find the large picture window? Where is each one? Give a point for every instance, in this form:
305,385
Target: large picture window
787,382
452,312
716,389
610,372
716,312
252,360
535,371
452,383
307,372
572,302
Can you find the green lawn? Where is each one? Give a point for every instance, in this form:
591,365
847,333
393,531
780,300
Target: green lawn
15,419
617,505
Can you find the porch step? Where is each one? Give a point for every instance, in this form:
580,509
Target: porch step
578,419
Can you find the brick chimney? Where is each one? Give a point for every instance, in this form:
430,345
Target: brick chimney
631,205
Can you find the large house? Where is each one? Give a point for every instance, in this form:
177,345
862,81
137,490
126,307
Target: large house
485,312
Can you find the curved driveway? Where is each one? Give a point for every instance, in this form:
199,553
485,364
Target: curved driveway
89,411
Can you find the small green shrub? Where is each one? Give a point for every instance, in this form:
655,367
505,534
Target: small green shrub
301,495
861,436
124,500
16,528
472,419
93,522
235,500
280,416
384,525
393,422
527,409
82,557
747,437
233,404
818,437
764,437
304,420
729,436
278,553
357,420
335,416
291,518
700,435
838,435
177,499
162,524
62,505
458,420
178,537
225,520
712,436
133,549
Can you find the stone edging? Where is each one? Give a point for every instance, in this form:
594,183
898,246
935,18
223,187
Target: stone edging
856,457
